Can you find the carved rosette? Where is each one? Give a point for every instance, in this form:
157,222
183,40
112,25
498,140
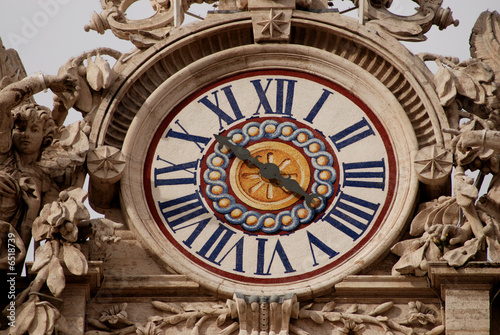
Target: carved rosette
105,166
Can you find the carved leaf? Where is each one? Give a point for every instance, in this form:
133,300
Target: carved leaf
39,324
52,316
458,257
493,248
56,281
333,317
436,330
382,308
190,321
25,318
329,307
352,309
445,85
175,319
412,257
484,40
221,319
40,228
106,71
465,192
83,101
75,261
42,256
94,75
165,307
465,84
307,306
317,317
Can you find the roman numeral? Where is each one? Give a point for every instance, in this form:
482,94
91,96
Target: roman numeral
278,249
160,172
321,246
365,174
182,209
214,107
220,231
317,107
283,104
352,134
222,235
184,135
351,215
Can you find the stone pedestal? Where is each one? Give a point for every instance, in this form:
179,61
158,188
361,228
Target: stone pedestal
466,293
75,302
467,309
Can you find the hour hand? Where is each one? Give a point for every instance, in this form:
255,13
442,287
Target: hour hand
240,152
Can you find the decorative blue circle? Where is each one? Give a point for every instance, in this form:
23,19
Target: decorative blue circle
277,134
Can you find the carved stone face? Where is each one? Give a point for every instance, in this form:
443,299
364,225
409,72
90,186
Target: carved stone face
27,136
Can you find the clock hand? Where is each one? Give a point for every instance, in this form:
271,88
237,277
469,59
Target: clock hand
269,171
240,152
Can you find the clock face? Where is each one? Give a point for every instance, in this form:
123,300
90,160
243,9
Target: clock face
221,212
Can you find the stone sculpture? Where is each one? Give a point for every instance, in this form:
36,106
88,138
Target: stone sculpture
461,227
40,179
25,131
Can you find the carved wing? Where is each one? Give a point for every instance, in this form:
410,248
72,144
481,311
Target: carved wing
11,66
485,41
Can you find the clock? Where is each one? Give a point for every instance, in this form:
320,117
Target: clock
272,179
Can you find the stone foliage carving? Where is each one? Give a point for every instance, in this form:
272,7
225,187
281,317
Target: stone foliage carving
276,315
61,224
94,76
407,28
41,169
461,227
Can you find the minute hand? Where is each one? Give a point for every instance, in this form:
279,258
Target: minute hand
269,171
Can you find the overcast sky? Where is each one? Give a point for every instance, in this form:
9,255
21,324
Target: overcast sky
46,33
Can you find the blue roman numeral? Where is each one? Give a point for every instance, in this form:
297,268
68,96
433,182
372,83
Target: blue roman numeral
184,135
283,104
321,246
352,134
182,209
214,107
351,212
224,234
365,174
278,249
159,172
317,107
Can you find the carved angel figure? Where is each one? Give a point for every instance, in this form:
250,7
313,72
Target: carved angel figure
26,129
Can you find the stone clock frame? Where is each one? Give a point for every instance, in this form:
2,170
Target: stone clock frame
346,54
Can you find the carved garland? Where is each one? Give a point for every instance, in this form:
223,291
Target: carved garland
266,315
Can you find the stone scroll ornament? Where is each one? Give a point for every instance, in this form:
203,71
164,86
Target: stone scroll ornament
142,33
267,315
462,227
406,28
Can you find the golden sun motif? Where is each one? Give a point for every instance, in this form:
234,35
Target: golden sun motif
264,194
